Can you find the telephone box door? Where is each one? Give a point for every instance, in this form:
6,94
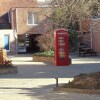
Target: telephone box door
61,47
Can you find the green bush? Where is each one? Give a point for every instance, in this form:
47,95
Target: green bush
73,40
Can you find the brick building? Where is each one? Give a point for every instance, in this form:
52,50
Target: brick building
28,23
27,20
95,34
91,30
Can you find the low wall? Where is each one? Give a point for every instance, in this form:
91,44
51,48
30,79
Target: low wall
43,59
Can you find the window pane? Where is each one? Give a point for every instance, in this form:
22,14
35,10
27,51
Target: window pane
35,18
30,18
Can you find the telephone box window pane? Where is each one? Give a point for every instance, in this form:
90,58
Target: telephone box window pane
62,33
61,49
62,57
61,41
62,44
61,38
61,53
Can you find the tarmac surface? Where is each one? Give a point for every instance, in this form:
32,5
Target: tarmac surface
36,80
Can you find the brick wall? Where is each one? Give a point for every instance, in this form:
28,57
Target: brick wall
96,34
87,39
21,18
85,29
6,5
91,28
85,25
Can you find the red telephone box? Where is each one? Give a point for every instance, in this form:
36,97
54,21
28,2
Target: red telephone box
61,47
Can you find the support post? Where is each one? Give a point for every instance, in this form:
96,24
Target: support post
56,82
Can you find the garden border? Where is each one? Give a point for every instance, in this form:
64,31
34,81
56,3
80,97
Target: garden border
9,70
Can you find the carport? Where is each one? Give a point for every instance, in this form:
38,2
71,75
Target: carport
33,43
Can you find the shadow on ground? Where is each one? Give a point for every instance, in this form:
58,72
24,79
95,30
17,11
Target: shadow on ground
49,71
46,93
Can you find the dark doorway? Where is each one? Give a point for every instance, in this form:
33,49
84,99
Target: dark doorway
33,43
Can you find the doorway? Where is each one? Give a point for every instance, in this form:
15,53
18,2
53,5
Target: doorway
33,43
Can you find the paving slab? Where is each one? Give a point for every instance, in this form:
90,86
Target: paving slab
35,81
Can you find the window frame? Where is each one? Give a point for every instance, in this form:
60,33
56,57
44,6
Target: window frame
33,19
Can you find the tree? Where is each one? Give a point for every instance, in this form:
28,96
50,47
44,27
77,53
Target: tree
68,13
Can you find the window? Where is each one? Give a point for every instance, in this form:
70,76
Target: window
32,18
44,3
44,0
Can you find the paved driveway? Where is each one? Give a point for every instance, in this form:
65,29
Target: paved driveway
29,69
35,81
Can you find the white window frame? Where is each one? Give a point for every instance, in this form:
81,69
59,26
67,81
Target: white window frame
33,18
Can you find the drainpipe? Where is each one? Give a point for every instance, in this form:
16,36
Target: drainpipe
16,41
14,30
91,34
15,37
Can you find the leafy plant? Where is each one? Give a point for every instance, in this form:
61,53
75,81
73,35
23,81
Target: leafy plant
45,53
6,64
73,40
46,41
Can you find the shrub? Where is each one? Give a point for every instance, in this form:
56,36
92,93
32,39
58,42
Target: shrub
46,41
6,64
49,53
